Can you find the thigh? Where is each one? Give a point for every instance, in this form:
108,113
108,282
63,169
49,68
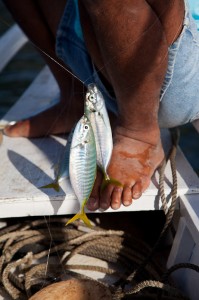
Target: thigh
38,19
52,12
171,14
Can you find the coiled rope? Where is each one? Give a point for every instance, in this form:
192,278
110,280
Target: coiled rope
27,264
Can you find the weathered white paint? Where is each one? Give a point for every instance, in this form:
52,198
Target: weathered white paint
42,93
27,164
185,248
10,43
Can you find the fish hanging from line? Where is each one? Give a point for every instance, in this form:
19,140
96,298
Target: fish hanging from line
95,110
82,165
63,166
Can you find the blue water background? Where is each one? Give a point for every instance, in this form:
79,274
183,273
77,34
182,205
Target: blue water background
16,77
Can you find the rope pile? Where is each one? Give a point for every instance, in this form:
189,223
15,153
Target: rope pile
34,254
27,263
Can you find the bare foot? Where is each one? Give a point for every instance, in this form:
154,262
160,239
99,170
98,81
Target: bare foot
55,120
133,163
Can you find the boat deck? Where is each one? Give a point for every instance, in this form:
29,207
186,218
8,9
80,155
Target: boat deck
28,164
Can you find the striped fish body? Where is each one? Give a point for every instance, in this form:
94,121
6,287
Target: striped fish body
96,112
82,162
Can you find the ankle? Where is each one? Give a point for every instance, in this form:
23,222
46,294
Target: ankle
149,135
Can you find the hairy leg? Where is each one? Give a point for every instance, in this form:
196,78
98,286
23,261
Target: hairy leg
39,20
133,42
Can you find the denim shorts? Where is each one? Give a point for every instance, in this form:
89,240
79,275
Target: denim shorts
179,99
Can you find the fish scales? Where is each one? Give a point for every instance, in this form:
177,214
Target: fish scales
95,110
82,165
83,160
103,140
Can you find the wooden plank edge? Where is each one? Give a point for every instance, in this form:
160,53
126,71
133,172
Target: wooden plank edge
10,43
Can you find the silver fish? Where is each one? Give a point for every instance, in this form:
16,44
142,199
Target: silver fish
82,165
63,166
96,112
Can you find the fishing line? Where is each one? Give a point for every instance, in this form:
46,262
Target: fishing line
83,82
68,103
48,223
50,246
110,60
96,71
29,170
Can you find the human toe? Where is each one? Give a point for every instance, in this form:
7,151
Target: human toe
127,196
20,128
105,197
139,187
116,197
93,203
137,190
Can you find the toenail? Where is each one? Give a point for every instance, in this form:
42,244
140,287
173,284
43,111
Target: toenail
127,203
115,206
104,205
92,202
137,195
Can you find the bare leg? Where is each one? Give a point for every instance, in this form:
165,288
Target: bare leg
39,20
133,41
129,44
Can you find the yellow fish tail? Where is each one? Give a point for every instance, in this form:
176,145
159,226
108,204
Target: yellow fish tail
107,180
82,216
53,185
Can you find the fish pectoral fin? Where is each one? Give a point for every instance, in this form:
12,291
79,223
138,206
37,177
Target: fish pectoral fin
82,216
53,185
79,145
107,180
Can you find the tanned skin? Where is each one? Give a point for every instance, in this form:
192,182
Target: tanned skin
128,42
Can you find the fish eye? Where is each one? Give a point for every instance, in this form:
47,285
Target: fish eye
92,98
86,127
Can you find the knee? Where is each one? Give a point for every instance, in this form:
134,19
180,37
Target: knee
116,14
131,7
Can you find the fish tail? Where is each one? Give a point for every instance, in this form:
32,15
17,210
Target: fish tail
82,216
53,185
109,180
